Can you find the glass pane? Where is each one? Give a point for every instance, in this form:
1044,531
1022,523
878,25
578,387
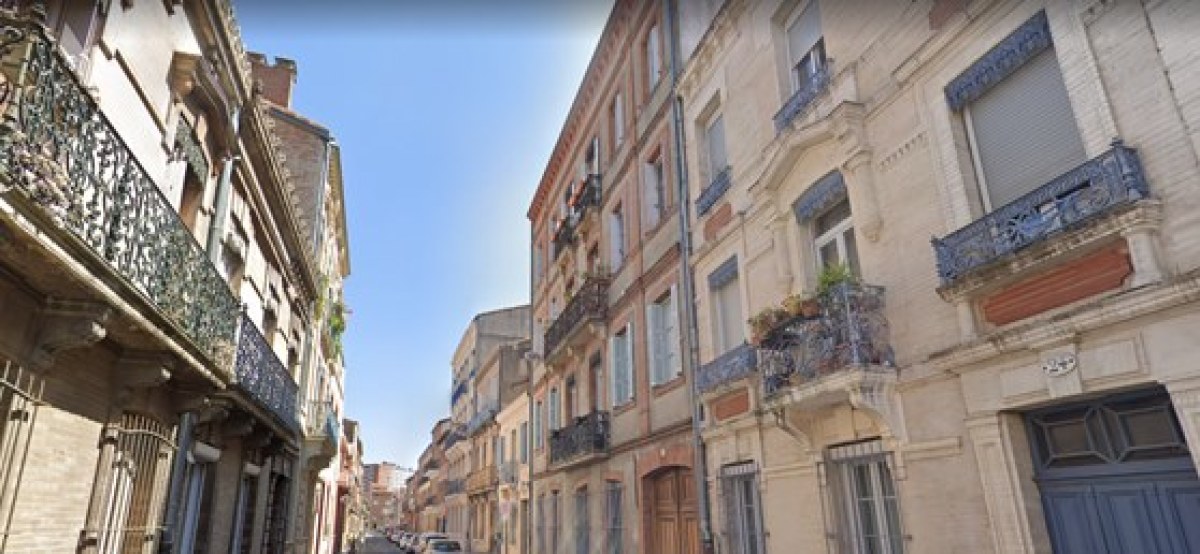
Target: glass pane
829,254
851,251
833,216
1067,437
1147,428
749,517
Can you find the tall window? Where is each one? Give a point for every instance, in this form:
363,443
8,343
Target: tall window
616,114
728,328
654,193
653,58
1023,132
714,140
662,336
76,24
137,484
834,238
20,395
582,529
806,48
537,425
555,520
616,227
612,518
621,346
743,518
525,441
870,514
541,523
553,418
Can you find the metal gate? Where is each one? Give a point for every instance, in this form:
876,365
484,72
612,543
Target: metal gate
137,483
1116,476
20,397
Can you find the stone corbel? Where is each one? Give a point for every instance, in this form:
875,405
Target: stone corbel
182,75
878,400
139,371
241,425
780,418
65,325
778,225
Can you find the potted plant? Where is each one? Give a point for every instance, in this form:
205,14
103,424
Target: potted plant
802,305
832,276
765,321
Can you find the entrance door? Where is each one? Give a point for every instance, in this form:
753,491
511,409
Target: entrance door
673,526
1116,476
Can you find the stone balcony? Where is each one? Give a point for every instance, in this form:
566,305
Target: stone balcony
588,306
810,362
727,368
322,432
483,479
455,486
76,179
581,206
803,98
260,374
510,473
584,439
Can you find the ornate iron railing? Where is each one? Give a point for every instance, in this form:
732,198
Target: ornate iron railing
61,152
260,374
510,472
851,332
714,191
803,98
589,196
456,486
1099,186
588,434
460,389
482,479
589,303
730,366
452,438
322,420
479,420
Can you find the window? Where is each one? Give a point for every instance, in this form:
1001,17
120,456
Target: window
662,335
591,160
653,58
714,139
20,396
834,241
616,226
582,529
805,48
1023,132
743,520
555,520
137,484
870,514
553,418
654,194
76,24
541,523
537,426
728,328
621,346
525,440
616,114
612,509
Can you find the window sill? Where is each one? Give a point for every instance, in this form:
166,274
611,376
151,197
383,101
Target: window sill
666,387
626,407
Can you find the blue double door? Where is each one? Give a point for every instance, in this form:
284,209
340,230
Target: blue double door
1116,477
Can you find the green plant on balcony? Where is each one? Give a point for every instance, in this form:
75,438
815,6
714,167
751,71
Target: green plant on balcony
832,276
337,325
802,305
765,321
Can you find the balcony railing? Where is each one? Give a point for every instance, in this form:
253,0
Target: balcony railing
510,472
590,303
484,478
714,191
66,159
1098,187
589,195
730,366
851,333
803,98
460,389
455,486
479,420
322,420
588,434
264,378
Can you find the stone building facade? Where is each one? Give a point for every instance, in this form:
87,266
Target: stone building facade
1029,380
158,284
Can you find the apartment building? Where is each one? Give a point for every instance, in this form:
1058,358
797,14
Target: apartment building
512,456
158,283
353,511
430,480
613,461
1027,382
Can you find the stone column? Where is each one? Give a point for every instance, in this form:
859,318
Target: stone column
110,434
778,226
1144,252
860,188
1011,507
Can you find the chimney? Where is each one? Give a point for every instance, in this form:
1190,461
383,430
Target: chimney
277,79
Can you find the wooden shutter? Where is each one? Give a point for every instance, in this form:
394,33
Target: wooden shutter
804,32
1024,131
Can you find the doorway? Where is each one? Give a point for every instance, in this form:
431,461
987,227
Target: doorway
671,504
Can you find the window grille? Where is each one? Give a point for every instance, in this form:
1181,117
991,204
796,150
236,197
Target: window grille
867,497
20,396
137,486
582,529
555,520
743,517
275,535
613,518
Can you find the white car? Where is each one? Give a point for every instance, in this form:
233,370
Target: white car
442,545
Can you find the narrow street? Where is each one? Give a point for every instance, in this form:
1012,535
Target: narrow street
376,544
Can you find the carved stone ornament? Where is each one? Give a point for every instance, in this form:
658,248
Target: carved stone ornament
1060,365
68,324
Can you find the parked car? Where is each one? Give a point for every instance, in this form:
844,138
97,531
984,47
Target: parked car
418,546
442,545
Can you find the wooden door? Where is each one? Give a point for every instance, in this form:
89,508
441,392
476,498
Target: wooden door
673,524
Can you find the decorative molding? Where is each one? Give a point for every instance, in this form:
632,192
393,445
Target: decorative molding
1027,41
724,273
66,325
820,196
918,141
934,448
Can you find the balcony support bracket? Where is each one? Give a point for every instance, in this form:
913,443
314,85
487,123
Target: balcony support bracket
66,325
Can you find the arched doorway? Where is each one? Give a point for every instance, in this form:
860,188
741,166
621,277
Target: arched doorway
671,512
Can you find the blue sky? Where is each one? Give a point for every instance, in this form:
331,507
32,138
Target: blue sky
446,113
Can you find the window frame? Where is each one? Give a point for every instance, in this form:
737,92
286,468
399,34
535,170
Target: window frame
662,332
836,235
711,168
622,339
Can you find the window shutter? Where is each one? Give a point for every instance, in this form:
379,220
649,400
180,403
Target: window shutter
652,338
614,371
674,361
649,195
716,147
629,362
804,32
1024,131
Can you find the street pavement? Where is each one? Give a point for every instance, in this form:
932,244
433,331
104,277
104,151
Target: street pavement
378,545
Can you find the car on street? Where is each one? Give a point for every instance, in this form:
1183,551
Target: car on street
442,545
418,546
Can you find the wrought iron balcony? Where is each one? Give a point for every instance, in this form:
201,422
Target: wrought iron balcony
714,191
259,373
480,420
452,438
510,472
851,333
730,366
589,304
803,98
589,195
1100,186
460,389
587,435
75,172
455,486
483,479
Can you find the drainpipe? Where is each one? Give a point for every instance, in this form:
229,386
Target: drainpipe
224,187
187,426
527,526
687,288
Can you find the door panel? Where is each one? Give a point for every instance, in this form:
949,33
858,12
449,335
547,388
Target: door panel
1180,502
673,523
1074,521
1127,514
